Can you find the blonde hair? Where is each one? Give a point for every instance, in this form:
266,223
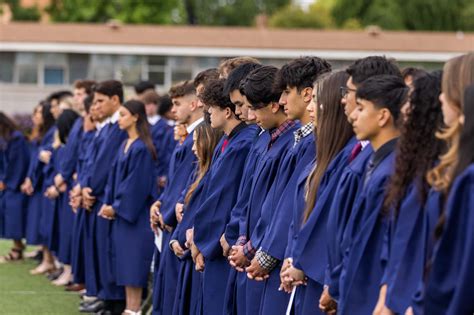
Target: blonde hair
458,73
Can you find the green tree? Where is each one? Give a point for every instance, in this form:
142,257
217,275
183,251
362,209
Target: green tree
317,16
229,12
127,11
20,13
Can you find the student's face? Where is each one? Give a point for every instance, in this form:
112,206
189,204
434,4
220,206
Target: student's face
56,110
37,117
349,100
312,106
366,121
241,108
194,148
252,118
199,91
126,119
218,116
265,117
294,102
79,95
183,108
105,105
450,112
151,109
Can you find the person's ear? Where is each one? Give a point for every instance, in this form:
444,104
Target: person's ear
228,113
384,117
275,107
115,99
307,94
194,105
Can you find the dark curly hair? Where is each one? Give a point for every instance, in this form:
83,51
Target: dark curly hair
418,148
301,73
258,87
215,96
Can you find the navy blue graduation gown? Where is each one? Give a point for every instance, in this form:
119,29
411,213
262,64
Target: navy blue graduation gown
66,215
104,152
450,287
181,167
163,139
35,173
67,166
130,193
51,207
234,302
225,175
33,215
410,232
310,247
187,291
13,204
264,176
348,189
276,209
78,236
364,261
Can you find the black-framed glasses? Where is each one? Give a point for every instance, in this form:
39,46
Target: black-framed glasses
345,90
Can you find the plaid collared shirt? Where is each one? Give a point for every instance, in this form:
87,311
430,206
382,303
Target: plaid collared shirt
275,133
265,260
249,250
303,132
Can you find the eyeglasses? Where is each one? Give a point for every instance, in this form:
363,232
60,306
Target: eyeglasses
345,90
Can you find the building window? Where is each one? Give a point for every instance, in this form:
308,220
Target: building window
129,69
102,67
26,67
157,70
53,75
78,67
7,60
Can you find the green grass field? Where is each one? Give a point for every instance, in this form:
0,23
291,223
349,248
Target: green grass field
23,294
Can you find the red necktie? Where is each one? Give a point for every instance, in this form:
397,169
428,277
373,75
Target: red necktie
224,144
355,151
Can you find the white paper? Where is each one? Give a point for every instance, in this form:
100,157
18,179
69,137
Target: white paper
290,302
159,240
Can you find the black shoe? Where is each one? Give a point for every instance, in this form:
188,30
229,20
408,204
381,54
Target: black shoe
114,307
55,274
94,307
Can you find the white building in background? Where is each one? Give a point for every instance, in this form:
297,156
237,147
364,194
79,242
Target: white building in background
36,59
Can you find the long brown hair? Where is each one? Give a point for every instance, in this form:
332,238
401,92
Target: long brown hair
458,73
332,130
423,121
143,127
207,139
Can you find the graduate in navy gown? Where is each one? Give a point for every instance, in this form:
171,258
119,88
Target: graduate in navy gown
449,288
77,247
235,303
129,195
64,216
306,252
35,182
162,213
349,184
221,195
14,155
379,101
205,139
40,126
275,142
295,81
108,96
408,193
